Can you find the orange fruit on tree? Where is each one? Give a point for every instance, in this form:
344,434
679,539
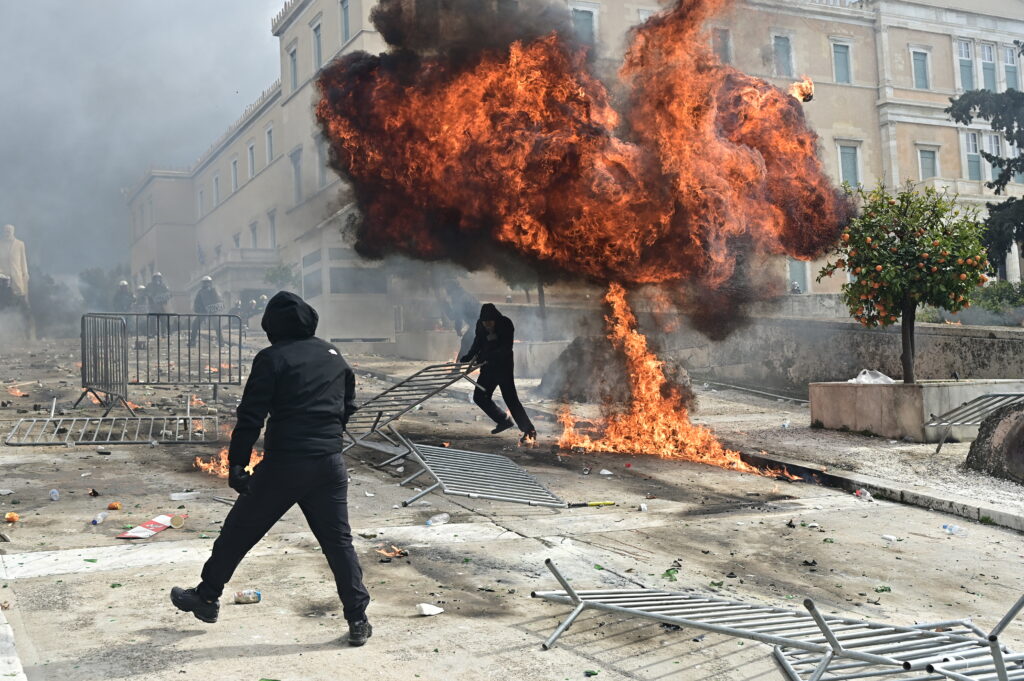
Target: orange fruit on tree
935,269
867,240
856,270
925,255
935,242
846,236
959,261
963,277
878,268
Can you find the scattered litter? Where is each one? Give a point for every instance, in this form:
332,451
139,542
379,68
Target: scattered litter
863,495
115,585
954,530
225,500
248,596
598,566
605,471
718,584
184,496
103,451
393,552
698,639
6,492
54,495
114,506
85,475
883,589
148,528
6,605
100,517
93,492
177,521
892,442
591,672
439,519
785,424
427,610
643,508
813,525
871,377
810,563
586,470
90,560
828,540
790,523
369,494
368,535
12,517
889,538
670,574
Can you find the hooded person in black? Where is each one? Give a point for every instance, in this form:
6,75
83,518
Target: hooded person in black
492,345
308,391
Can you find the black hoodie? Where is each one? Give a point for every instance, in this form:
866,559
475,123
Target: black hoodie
301,382
493,347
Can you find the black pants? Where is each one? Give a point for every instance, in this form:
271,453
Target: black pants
197,325
320,487
483,396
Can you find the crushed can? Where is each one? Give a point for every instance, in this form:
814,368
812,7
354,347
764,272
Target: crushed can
248,596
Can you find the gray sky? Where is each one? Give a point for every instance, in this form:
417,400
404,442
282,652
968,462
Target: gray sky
94,91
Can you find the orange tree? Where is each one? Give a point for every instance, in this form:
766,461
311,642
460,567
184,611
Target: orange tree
905,249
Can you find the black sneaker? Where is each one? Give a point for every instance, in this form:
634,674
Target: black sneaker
188,600
529,438
358,632
502,427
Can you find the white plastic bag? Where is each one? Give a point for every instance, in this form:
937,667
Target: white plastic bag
871,377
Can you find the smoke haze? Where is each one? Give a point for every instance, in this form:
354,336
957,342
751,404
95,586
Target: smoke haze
95,92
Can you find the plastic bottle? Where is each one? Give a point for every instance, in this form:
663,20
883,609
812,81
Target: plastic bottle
54,495
248,596
954,530
863,495
100,517
439,519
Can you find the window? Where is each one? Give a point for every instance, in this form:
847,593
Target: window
311,259
312,284
584,22
994,146
965,58
272,229
199,204
841,63
358,280
296,158
920,64
849,170
988,66
321,163
346,23
234,175
293,68
252,160
318,49
782,55
797,275
254,235
721,44
973,157
237,239
342,254
1010,65
928,162
270,145
216,190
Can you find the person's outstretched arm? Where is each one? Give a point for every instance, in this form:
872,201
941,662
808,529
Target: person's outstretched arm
253,409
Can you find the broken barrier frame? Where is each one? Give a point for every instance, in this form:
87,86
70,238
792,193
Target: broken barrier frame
184,349
477,475
113,430
382,410
971,413
861,649
105,360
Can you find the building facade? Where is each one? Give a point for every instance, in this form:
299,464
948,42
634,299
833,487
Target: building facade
262,196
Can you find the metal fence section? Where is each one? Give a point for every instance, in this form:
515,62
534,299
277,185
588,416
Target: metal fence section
477,475
125,430
184,349
104,359
380,412
971,413
810,646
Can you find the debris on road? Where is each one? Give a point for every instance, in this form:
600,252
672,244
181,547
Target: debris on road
12,517
148,528
248,596
428,610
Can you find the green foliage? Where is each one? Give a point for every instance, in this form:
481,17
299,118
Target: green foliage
1000,297
1005,112
97,286
906,249
282,277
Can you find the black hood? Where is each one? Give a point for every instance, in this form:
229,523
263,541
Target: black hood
289,317
489,313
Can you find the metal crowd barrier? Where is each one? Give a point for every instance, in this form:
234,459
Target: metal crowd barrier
811,646
381,411
184,349
971,413
477,475
105,360
125,430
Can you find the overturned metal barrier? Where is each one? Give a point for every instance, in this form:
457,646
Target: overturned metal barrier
477,475
810,646
971,413
105,360
126,430
184,349
375,418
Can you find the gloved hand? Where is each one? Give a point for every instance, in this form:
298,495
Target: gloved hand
238,479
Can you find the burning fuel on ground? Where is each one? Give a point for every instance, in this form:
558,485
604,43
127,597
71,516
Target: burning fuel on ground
679,172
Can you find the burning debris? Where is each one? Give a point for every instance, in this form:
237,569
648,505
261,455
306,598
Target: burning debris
803,89
505,147
218,465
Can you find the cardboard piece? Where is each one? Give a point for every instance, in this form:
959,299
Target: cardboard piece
148,528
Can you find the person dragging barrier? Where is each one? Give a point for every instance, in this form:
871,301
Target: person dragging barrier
492,346
308,391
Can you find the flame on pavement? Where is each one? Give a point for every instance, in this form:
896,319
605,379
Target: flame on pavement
218,465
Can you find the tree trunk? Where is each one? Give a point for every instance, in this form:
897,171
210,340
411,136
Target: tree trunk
907,331
542,304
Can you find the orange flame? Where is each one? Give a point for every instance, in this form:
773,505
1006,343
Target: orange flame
196,402
657,422
14,392
218,465
803,89
393,552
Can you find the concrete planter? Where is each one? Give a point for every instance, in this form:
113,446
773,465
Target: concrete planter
896,411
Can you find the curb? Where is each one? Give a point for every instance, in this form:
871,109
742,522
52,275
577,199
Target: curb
816,474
